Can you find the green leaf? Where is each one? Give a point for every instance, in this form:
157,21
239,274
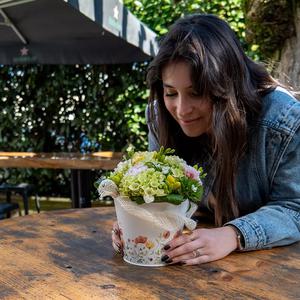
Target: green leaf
171,198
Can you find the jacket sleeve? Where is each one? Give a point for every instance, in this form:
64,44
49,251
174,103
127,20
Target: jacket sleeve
278,222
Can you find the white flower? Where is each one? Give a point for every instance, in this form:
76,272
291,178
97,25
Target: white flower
135,170
165,170
121,165
148,198
194,188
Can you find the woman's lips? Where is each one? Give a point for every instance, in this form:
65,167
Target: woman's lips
188,122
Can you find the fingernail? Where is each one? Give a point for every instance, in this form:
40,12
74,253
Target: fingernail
167,247
168,261
165,257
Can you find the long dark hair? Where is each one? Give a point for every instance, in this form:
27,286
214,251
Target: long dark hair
220,71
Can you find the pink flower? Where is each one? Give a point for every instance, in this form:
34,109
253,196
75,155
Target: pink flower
192,173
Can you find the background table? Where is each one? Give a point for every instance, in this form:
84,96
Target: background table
68,255
80,165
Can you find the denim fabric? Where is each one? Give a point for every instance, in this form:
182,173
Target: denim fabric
268,178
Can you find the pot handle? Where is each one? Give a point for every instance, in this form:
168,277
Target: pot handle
188,222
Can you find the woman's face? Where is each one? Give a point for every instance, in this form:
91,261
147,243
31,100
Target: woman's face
192,112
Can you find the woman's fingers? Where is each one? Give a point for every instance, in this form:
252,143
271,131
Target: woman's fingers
187,256
196,261
183,239
116,247
189,242
116,228
116,232
116,238
202,246
184,250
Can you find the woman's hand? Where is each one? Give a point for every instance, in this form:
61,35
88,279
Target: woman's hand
116,238
201,246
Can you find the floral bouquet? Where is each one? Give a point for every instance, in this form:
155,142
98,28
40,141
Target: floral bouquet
155,194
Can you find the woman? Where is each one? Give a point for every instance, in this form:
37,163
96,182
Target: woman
220,109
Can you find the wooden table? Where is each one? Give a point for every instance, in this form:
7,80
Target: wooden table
80,165
68,255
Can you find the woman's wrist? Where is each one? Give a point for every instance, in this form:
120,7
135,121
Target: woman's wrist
231,240
239,238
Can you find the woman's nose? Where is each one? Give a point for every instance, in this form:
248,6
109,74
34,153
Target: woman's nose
184,107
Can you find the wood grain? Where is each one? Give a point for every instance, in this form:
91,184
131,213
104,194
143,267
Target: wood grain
99,160
68,255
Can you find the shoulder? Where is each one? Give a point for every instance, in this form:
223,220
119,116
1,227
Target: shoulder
280,111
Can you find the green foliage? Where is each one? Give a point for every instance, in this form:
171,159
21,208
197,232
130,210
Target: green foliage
161,154
160,14
171,198
47,108
49,102
269,24
187,190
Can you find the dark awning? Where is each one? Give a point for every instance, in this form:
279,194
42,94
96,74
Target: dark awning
72,32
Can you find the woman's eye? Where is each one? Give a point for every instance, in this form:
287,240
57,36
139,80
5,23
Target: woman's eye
195,94
170,94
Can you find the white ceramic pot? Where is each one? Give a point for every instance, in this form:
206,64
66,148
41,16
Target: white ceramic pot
147,228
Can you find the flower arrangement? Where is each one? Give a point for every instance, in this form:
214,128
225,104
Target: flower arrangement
156,176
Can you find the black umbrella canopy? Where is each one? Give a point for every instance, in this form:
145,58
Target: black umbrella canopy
72,32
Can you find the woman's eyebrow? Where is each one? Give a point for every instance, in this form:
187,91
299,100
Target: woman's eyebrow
166,85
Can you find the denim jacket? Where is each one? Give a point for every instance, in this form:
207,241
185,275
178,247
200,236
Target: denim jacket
268,178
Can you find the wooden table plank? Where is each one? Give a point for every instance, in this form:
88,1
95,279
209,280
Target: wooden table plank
99,160
80,165
68,255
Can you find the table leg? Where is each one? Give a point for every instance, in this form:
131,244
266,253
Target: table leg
74,189
84,188
81,188
26,204
8,199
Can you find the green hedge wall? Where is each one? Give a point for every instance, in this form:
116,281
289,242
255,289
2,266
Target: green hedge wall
69,108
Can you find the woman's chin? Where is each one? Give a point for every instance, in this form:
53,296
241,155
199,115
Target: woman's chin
193,133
